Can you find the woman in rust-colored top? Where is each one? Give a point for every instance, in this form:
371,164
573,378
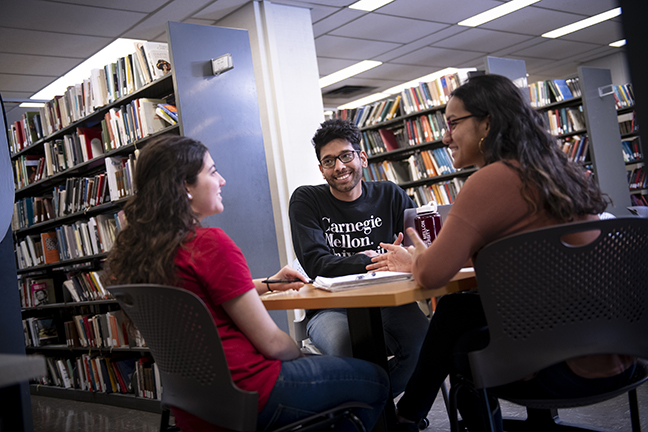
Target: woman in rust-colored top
524,182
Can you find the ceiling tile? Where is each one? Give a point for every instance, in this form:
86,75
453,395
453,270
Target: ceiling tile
482,40
506,52
156,24
23,83
585,7
532,21
388,29
396,72
13,95
36,64
602,33
346,48
146,6
420,43
218,9
437,57
556,49
67,18
328,65
444,12
339,18
51,44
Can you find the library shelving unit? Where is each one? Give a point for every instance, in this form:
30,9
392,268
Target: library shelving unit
605,139
633,154
220,111
62,307
603,155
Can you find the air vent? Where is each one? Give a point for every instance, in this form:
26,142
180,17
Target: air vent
348,90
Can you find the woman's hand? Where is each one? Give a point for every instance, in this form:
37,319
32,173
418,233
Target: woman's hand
286,273
397,258
419,247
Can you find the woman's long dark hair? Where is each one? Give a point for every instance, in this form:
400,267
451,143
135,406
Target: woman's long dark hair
518,133
159,216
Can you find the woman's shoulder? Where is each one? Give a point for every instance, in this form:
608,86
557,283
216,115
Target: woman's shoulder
500,173
211,235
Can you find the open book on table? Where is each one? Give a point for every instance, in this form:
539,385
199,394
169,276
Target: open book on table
342,283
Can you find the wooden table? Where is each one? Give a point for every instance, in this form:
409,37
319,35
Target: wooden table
363,312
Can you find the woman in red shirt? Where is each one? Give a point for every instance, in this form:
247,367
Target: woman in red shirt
177,187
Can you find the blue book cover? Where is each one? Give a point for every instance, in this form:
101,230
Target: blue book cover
563,89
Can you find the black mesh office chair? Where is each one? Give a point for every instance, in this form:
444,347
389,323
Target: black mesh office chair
546,301
183,339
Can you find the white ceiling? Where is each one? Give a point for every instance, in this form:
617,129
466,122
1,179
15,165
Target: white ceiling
41,40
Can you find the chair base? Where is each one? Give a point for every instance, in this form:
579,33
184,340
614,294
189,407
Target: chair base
544,420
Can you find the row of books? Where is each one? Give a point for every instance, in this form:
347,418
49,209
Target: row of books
40,331
421,97
36,291
86,286
418,166
82,238
26,131
623,95
376,141
108,330
442,193
431,163
628,123
150,61
433,93
631,148
377,112
565,120
105,374
426,128
637,178
123,126
546,92
84,193
575,147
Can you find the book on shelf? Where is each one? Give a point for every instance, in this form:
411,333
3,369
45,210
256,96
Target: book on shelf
156,56
627,123
343,283
161,113
43,292
631,148
49,243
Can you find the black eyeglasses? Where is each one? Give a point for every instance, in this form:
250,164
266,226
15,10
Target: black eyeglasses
345,157
452,123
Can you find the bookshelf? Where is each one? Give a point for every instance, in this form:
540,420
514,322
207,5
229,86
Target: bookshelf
593,129
33,217
587,129
633,151
402,138
231,131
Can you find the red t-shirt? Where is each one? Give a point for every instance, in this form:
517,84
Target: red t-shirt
213,267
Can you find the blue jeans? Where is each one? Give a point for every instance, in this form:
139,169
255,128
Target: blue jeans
312,384
404,326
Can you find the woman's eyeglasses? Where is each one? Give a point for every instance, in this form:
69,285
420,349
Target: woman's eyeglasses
452,123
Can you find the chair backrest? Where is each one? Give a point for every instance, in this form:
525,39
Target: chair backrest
183,339
546,301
